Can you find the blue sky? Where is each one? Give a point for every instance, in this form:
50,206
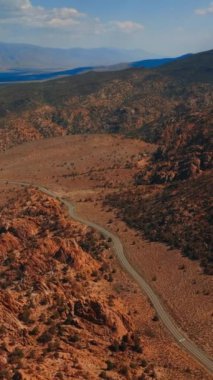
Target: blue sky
164,27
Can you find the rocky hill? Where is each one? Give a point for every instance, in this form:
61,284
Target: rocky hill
179,214
59,315
178,210
170,106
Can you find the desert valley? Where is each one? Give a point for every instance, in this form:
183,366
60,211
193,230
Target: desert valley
124,289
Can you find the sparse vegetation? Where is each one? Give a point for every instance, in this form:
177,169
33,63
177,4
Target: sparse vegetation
176,215
60,307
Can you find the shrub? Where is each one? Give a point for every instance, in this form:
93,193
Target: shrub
124,370
137,344
110,365
103,375
143,363
34,331
137,348
114,346
16,355
46,337
123,346
17,376
59,375
74,338
25,316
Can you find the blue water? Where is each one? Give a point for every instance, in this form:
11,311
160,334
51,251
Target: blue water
24,76
27,76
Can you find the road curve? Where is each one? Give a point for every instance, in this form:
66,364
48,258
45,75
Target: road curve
180,337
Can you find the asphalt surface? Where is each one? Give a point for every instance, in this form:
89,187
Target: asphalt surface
180,337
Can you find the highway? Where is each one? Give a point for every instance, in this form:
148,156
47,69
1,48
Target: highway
180,337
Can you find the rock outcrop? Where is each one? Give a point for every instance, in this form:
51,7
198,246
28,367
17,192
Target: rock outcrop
59,318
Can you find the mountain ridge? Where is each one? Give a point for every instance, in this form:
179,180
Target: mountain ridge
15,76
24,56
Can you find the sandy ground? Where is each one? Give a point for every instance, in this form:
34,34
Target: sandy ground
85,168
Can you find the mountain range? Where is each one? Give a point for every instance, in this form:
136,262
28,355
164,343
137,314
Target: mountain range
27,63
27,57
44,75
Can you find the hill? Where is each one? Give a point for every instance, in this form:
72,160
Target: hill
59,314
178,215
170,106
196,68
152,63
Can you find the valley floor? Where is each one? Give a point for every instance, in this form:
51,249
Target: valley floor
85,169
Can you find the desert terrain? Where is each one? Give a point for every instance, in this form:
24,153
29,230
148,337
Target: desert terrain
86,169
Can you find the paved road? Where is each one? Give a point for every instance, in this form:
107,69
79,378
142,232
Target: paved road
180,337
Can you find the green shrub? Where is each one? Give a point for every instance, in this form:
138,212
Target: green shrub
110,365
114,346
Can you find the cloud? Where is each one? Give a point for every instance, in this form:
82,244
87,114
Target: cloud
22,12
204,11
127,26
14,5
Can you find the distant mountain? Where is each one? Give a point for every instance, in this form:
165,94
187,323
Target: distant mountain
197,68
152,63
22,56
32,75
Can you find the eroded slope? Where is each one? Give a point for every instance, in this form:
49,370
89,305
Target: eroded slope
59,316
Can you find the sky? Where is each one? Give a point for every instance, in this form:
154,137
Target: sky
162,27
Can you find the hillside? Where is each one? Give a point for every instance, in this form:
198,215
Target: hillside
193,68
149,104
178,215
60,316
170,106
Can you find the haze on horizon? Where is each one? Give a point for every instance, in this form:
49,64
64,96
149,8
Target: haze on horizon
166,27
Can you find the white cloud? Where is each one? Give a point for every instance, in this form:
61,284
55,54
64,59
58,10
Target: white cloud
23,12
66,19
127,26
204,11
14,5
13,9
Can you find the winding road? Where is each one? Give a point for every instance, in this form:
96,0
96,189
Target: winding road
180,337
